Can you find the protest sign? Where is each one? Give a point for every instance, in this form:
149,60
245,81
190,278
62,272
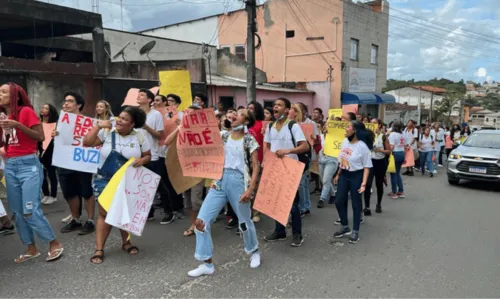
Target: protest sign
133,199
199,145
131,97
179,182
278,186
170,117
337,112
336,135
2,210
179,83
308,130
106,197
47,132
349,108
69,152
409,158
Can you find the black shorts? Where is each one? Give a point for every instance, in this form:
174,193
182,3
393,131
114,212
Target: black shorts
75,183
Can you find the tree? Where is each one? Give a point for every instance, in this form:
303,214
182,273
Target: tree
450,100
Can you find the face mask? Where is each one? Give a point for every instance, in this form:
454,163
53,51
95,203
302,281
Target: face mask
196,104
227,123
281,117
238,128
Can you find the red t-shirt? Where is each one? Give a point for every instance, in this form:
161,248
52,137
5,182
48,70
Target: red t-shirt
256,132
19,143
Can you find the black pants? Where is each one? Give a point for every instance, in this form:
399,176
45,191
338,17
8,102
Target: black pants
176,200
378,172
448,151
49,174
158,167
440,160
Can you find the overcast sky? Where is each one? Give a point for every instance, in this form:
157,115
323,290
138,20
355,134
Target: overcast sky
461,41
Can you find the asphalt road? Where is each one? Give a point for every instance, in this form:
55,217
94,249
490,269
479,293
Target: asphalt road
441,241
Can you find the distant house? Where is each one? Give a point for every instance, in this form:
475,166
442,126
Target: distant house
415,95
478,116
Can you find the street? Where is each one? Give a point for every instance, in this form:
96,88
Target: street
441,241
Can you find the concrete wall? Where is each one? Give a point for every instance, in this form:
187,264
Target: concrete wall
369,26
231,66
411,96
197,31
239,94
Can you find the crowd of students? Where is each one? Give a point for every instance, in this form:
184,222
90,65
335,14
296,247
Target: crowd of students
247,132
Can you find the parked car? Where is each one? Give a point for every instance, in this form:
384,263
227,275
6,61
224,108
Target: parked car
477,158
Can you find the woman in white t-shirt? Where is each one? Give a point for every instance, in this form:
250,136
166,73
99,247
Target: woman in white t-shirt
398,143
237,186
129,143
426,146
439,137
355,163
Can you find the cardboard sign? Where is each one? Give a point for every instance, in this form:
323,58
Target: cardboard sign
133,199
278,186
69,152
337,112
179,182
199,145
107,195
47,132
131,97
349,108
336,135
179,83
409,159
170,117
308,130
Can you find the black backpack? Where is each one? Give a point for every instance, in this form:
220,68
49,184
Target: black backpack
304,157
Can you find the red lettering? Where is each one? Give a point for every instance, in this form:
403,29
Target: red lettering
65,118
207,136
136,218
79,119
194,139
182,138
77,131
88,122
138,173
194,119
146,179
203,117
77,141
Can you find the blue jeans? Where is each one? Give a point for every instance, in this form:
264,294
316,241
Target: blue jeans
231,189
396,179
24,178
349,182
426,157
327,169
304,192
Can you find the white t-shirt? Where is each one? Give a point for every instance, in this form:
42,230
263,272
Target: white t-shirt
129,146
354,157
439,136
2,165
379,143
398,141
282,139
155,121
426,143
234,154
409,135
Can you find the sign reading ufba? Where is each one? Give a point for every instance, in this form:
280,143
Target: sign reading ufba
362,80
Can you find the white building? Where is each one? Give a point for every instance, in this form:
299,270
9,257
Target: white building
413,95
492,120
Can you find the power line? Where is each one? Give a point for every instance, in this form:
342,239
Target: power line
165,3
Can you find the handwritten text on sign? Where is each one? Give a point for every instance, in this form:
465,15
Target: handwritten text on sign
133,199
336,135
199,145
69,151
278,186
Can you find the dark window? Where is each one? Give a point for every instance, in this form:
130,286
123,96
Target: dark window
228,102
290,33
239,51
226,49
268,103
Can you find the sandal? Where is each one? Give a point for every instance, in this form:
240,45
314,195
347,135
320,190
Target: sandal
189,232
26,256
58,253
98,257
130,249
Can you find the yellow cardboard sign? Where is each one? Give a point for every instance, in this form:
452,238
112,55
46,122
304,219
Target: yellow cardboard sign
179,83
337,112
109,191
336,135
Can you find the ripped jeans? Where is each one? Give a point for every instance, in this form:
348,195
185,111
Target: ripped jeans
231,189
24,177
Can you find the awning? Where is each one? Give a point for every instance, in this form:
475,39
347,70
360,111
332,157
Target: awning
349,98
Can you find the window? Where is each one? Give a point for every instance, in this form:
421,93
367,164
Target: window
227,102
290,33
226,49
354,49
374,54
268,103
239,51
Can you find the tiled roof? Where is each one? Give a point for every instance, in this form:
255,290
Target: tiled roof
430,89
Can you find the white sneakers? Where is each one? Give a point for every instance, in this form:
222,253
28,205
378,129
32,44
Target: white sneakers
67,219
48,200
205,269
255,260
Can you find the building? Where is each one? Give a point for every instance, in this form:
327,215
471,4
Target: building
415,95
340,43
492,120
480,117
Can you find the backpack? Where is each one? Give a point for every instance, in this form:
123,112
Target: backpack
304,157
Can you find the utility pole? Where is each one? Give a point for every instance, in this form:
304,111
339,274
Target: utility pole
430,112
251,8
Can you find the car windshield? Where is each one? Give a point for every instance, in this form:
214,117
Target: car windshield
483,140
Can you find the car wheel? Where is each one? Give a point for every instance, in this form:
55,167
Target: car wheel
452,181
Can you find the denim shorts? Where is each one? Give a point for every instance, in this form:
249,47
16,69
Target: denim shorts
99,184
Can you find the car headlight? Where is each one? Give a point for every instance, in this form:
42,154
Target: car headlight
455,156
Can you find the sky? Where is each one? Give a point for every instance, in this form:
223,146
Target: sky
454,39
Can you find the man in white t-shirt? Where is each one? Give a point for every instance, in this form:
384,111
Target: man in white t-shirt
152,132
279,140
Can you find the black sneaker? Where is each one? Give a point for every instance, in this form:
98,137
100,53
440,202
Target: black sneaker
411,174
338,222
232,224
169,218
87,228
321,204
343,231
180,214
272,237
431,175
297,241
367,212
305,213
354,238
71,226
4,231
378,209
